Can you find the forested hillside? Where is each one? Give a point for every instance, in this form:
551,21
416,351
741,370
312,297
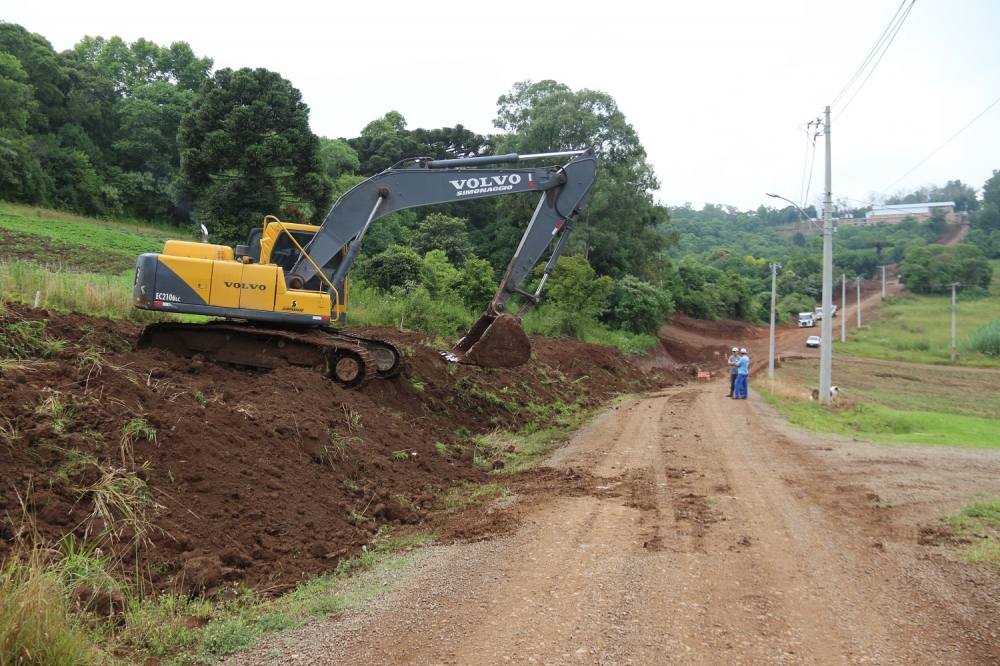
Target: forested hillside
152,133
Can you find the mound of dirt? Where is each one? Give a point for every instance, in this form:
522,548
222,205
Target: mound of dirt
224,476
701,344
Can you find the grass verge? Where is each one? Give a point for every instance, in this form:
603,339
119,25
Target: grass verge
44,614
855,416
917,329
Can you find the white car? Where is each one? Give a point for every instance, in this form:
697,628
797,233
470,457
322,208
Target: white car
813,341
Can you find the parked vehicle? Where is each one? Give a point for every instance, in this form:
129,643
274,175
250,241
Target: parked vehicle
813,341
819,313
806,320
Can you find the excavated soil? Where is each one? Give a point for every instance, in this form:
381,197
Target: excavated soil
260,478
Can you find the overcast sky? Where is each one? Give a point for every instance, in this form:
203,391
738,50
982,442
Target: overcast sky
716,90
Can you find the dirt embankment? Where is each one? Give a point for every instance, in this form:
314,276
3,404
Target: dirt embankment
254,478
686,345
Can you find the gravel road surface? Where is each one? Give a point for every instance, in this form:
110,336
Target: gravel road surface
709,533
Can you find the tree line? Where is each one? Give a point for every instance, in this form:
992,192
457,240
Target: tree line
150,132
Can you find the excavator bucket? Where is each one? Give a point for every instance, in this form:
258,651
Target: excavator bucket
493,342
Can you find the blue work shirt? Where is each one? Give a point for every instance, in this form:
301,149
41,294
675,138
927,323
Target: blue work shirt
733,359
744,366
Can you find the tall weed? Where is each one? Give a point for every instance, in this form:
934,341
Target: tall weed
36,625
985,340
98,295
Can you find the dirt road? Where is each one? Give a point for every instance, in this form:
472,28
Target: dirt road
701,531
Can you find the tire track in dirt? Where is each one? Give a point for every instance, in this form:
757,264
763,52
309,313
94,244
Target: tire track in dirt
711,534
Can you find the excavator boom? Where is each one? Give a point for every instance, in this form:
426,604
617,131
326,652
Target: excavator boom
497,339
279,288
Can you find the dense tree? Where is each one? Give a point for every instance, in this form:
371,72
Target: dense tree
440,232
247,151
620,225
395,267
638,306
338,158
954,190
935,267
475,283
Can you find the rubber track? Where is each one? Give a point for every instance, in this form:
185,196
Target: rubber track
314,338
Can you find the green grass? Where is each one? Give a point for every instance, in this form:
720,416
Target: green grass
107,296
891,406
977,530
81,243
891,426
943,390
917,329
39,625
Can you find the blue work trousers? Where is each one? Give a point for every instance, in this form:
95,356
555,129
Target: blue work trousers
741,386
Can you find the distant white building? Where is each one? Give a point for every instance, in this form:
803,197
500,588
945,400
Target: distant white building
896,213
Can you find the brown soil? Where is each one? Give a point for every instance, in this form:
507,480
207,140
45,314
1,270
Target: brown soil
694,344
260,478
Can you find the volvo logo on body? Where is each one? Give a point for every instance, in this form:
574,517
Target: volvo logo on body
246,285
486,184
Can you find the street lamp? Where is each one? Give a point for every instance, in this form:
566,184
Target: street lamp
801,212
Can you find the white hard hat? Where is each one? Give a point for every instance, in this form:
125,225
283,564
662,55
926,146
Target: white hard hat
743,351
735,349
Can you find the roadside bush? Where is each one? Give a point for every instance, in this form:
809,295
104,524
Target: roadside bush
985,340
638,306
972,294
789,307
411,303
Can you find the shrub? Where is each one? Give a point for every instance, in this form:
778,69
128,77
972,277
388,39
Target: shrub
441,232
392,268
638,306
474,284
985,340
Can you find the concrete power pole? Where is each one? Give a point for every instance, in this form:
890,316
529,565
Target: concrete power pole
774,289
883,283
843,307
954,316
858,281
826,345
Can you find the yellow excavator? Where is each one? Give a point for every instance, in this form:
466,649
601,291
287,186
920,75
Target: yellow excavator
280,293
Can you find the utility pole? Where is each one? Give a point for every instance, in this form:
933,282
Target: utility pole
858,281
954,316
826,344
883,283
843,307
774,290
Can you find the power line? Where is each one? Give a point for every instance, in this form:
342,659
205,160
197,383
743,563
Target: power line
941,146
881,55
892,37
870,55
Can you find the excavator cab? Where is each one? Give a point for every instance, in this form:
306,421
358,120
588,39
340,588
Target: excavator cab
271,244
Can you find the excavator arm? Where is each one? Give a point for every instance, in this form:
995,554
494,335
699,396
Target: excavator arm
496,340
